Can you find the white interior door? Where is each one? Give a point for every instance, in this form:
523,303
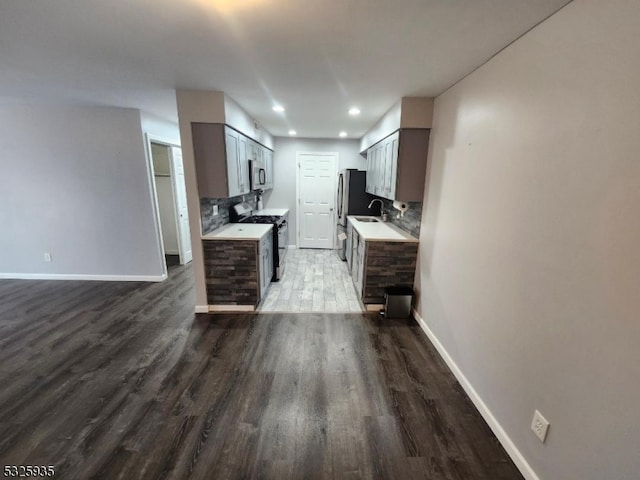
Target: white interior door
316,197
179,188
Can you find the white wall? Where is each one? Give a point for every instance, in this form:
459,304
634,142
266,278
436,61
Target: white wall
75,183
408,112
283,194
196,106
529,256
209,107
160,127
389,123
236,117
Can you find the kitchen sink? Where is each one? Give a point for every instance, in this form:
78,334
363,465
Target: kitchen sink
367,220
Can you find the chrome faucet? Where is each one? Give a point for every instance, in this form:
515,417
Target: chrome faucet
377,200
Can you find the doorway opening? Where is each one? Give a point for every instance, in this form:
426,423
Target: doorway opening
171,200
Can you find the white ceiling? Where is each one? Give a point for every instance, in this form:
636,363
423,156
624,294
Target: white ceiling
315,57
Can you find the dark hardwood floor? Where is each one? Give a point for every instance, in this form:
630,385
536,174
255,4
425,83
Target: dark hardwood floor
122,380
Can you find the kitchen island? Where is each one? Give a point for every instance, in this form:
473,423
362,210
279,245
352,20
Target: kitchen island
238,264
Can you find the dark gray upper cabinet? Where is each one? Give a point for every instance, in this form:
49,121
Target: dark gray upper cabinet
396,165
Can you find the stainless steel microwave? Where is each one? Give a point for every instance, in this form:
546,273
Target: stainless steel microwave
258,175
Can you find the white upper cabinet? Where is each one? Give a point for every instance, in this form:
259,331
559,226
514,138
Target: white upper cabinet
268,162
396,148
257,152
222,157
237,162
396,165
390,155
393,164
379,169
235,150
369,181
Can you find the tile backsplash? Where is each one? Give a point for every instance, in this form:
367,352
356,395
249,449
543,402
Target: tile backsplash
410,222
211,222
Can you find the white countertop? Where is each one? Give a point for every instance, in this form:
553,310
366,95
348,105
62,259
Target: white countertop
239,231
271,211
380,231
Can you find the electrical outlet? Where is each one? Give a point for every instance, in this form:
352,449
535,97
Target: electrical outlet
47,257
215,210
540,426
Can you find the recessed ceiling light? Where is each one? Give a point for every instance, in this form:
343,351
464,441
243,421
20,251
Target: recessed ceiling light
343,134
278,108
354,111
292,132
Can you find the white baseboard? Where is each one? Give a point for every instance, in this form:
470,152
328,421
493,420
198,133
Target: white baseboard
202,308
491,420
73,276
171,252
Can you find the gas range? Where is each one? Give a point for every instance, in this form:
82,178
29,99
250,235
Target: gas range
243,213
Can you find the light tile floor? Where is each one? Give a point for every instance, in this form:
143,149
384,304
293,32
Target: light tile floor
313,281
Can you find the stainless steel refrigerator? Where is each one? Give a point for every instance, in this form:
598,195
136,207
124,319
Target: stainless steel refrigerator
352,200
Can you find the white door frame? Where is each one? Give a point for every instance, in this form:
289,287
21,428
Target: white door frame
298,209
151,138
180,230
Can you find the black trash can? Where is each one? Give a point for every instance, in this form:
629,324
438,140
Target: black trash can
397,302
